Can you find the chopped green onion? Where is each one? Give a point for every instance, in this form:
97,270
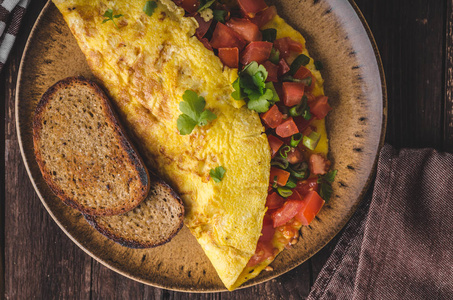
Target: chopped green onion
280,162
298,174
300,108
274,183
306,115
312,140
301,60
284,191
284,151
275,56
219,15
292,183
206,5
269,35
307,81
302,166
295,139
318,65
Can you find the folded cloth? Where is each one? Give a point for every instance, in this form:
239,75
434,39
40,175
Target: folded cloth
11,14
399,244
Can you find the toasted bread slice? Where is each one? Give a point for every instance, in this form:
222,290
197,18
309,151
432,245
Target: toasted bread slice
154,222
83,152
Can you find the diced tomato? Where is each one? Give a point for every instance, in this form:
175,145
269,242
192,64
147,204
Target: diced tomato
302,124
225,37
312,204
263,17
190,6
264,250
274,200
246,29
272,71
275,143
294,46
295,156
229,57
306,186
292,93
310,97
283,67
284,214
318,164
267,233
303,73
251,7
295,196
320,107
273,117
286,45
278,175
287,128
256,51
203,26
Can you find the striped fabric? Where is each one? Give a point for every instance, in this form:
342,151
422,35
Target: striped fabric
11,14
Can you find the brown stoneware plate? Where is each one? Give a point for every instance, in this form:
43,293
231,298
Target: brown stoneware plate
336,34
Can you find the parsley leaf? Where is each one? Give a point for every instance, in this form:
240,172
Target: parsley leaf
217,174
219,15
325,190
149,7
193,113
110,17
205,5
251,86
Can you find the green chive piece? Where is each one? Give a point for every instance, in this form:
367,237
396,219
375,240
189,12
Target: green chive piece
219,15
269,35
301,60
295,139
298,174
306,115
312,140
302,166
280,162
318,65
284,151
283,191
300,108
292,183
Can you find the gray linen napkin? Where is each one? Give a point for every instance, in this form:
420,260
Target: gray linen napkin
399,244
11,14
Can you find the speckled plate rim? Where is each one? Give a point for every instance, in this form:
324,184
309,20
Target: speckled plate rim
290,267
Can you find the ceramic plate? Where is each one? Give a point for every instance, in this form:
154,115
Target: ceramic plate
336,34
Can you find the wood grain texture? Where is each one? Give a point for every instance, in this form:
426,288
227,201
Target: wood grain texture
415,39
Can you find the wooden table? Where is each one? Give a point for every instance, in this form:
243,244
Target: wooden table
415,38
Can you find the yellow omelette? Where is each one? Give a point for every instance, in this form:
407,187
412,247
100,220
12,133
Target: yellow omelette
146,63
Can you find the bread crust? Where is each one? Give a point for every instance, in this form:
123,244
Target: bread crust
131,243
119,132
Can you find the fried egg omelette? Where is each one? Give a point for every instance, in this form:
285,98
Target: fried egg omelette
146,63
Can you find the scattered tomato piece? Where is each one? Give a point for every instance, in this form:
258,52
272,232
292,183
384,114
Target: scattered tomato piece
283,67
292,93
225,37
256,51
206,43
272,70
287,128
306,186
251,7
320,107
190,6
274,200
229,57
295,156
286,45
303,73
284,214
279,175
264,250
246,29
318,164
312,204
203,26
275,143
264,17
273,117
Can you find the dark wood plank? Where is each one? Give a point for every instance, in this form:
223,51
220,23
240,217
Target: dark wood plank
40,260
448,115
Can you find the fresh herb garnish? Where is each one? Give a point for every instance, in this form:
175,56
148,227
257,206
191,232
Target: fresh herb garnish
110,17
251,86
318,65
205,4
193,113
325,181
149,7
217,173
301,60
219,15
